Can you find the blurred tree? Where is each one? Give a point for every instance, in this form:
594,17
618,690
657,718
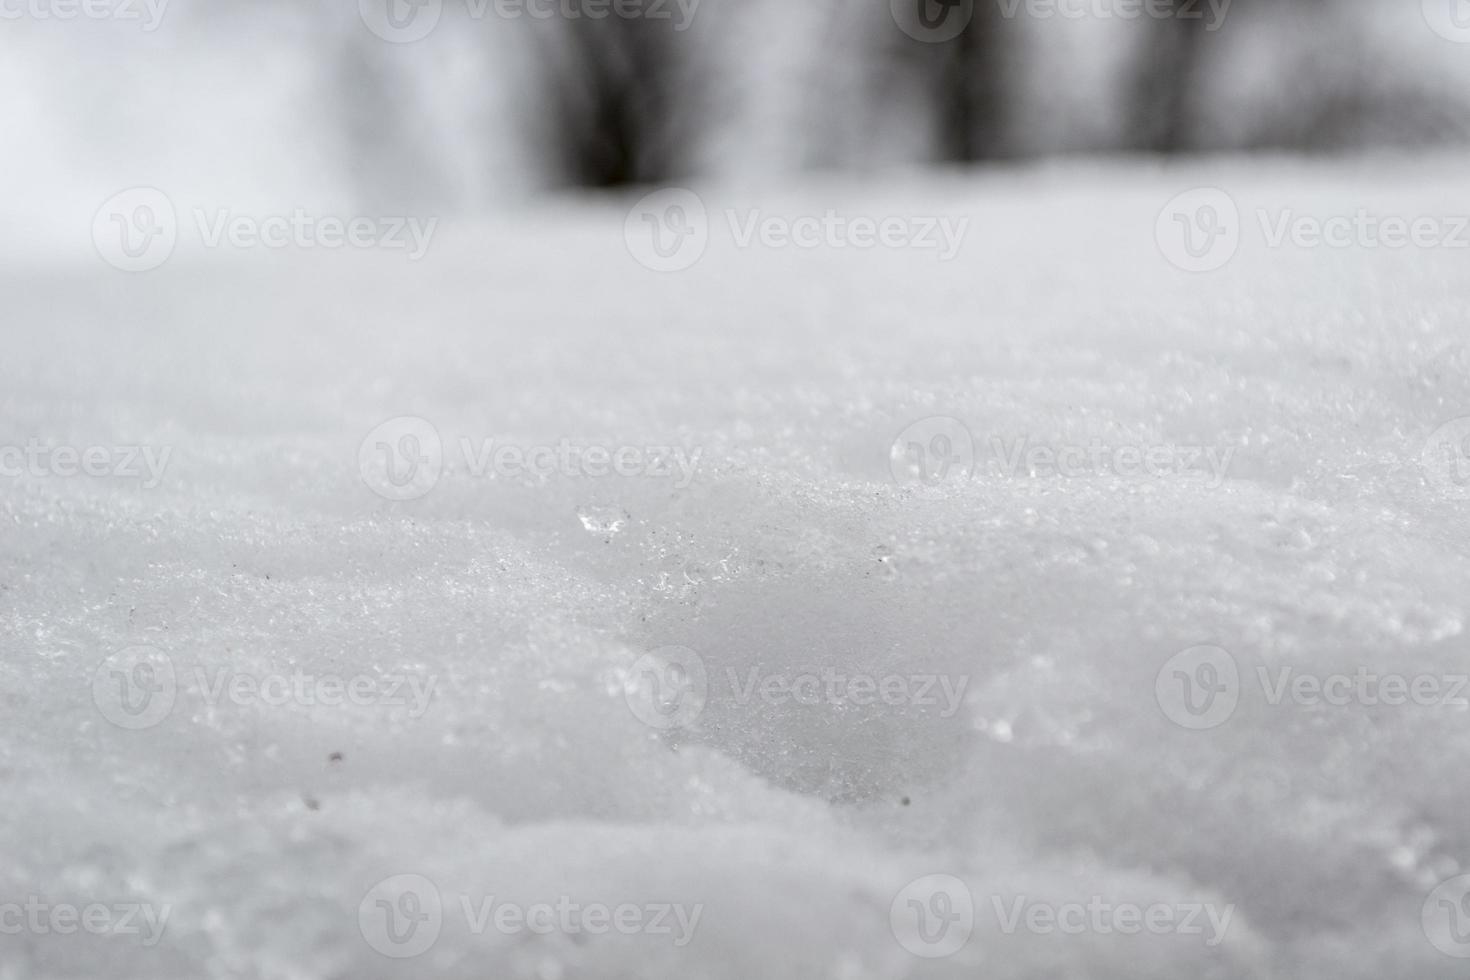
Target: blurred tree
385,146
1333,100
1166,88
965,78
1348,91
618,106
893,97
970,90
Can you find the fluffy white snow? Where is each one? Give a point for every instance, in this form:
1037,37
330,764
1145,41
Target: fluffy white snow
522,605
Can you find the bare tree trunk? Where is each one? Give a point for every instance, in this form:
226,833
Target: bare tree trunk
1166,91
616,114
965,81
970,93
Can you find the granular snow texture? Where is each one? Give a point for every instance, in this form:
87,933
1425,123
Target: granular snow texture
496,753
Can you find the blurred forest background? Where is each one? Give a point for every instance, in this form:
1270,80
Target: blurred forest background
276,104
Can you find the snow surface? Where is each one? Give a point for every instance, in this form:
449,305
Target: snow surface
1329,546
